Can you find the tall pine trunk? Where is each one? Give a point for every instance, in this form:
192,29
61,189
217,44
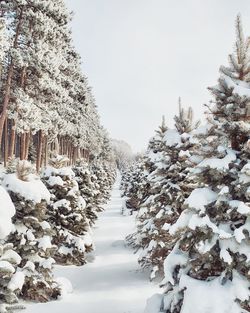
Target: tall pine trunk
12,139
39,150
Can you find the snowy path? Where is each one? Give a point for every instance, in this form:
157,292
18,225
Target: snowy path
113,282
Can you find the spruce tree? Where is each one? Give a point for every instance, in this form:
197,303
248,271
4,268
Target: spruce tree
146,187
32,236
67,213
211,255
11,280
86,185
163,206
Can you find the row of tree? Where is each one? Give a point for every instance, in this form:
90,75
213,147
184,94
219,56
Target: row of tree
51,224
192,192
59,162
46,102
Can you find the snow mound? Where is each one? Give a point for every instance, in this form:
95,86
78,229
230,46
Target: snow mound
172,138
154,304
65,285
64,171
17,281
219,164
198,295
33,190
200,197
7,211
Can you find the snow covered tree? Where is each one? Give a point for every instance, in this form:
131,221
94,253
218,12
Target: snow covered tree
132,186
32,236
45,97
168,192
123,153
211,254
11,280
144,188
103,166
86,183
67,213
232,108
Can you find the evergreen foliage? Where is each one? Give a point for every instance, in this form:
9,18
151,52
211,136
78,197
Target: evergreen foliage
67,213
32,236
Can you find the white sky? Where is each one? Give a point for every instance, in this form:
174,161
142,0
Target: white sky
141,55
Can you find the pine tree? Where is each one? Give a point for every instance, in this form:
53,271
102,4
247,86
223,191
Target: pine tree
67,213
86,185
32,236
146,187
132,187
168,191
211,253
11,280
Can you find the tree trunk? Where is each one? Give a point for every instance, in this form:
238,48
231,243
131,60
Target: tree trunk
23,145
39,150
6,143
27,145
12,139
46,151
7,88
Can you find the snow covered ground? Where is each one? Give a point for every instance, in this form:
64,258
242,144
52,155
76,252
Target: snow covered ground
113,281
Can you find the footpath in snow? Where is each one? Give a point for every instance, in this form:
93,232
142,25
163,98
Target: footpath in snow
113,281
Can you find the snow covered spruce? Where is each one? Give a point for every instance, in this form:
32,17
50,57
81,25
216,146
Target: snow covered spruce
32,235
170,156
67,213
11,280
87,186
210,259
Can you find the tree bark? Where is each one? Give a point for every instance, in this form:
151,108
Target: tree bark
12,139
23,145
27,145
6,143
39,150
46,151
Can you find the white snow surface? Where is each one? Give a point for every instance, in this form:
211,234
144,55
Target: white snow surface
7,210
220,164
16,281
212,296
172,138
33,190
112,281
200,197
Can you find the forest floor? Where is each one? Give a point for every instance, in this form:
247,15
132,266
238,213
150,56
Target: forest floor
112,281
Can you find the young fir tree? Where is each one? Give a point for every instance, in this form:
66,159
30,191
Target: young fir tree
163,206
67,213
33,234
11,280
104,169
146,188
131,186
211,255
86,185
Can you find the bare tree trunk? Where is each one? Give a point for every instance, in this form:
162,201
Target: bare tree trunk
12,139
27,145
6,143
39,150
23,145
46,151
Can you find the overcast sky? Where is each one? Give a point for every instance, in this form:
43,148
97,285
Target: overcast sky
141,55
